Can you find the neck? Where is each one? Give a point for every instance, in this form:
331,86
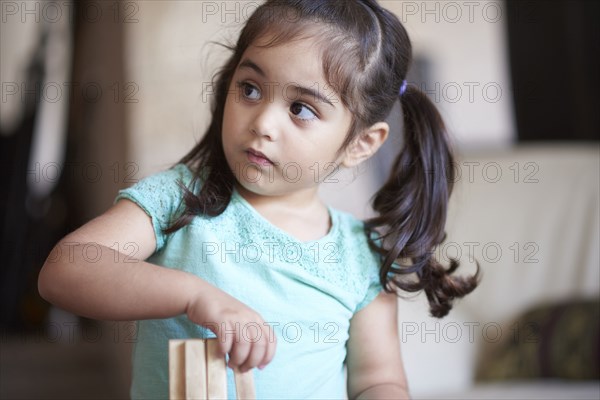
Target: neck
301,214
299,201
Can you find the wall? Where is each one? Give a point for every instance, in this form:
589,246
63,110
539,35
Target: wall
465,44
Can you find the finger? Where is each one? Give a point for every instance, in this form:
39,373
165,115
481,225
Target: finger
256,355
226,338
270,351
239,352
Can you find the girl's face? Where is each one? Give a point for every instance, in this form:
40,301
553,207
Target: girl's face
283,125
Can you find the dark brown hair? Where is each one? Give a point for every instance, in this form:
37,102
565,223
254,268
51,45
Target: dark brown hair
366,56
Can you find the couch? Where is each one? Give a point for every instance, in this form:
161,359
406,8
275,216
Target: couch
529,215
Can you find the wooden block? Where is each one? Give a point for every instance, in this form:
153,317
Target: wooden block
195,369
176,369
244,385
216,371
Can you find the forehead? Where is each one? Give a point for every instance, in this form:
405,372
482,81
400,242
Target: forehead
299,58
324,49
296,64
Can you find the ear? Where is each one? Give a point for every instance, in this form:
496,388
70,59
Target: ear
365,144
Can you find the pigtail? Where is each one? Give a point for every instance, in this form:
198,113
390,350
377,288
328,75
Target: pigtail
412,207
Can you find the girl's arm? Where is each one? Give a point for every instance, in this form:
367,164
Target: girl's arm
375,369
87,276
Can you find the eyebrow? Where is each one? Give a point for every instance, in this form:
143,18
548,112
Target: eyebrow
246,63
305,91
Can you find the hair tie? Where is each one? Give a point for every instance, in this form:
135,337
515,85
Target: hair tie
403,87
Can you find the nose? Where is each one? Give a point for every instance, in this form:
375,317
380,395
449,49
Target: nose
265,123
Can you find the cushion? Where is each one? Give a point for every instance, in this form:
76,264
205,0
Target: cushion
549,341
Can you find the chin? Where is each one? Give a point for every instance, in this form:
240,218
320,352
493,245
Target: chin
261,186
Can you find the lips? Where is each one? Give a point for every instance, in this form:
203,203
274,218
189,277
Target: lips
257,157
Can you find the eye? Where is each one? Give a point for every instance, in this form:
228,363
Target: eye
249,91
302,111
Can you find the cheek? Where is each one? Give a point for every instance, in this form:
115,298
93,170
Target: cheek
313,160
233,113
227,111
229,120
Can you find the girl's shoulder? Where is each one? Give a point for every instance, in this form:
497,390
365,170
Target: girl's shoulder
163,188
353,238
348,223
160,195
358,260
178,172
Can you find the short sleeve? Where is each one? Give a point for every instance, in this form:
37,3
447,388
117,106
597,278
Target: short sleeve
160,197
374,289
372,262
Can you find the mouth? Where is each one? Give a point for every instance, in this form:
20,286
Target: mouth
257,157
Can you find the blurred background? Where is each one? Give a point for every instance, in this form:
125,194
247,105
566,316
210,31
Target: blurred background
96,95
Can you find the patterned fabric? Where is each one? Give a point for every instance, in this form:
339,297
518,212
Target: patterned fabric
552,341
307,291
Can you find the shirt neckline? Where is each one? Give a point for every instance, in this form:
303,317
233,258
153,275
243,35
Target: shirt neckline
332,216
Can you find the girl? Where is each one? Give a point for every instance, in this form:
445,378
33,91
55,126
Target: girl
239,246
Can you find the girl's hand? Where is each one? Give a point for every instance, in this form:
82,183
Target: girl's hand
241,331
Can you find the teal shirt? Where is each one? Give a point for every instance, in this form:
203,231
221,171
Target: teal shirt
307,291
